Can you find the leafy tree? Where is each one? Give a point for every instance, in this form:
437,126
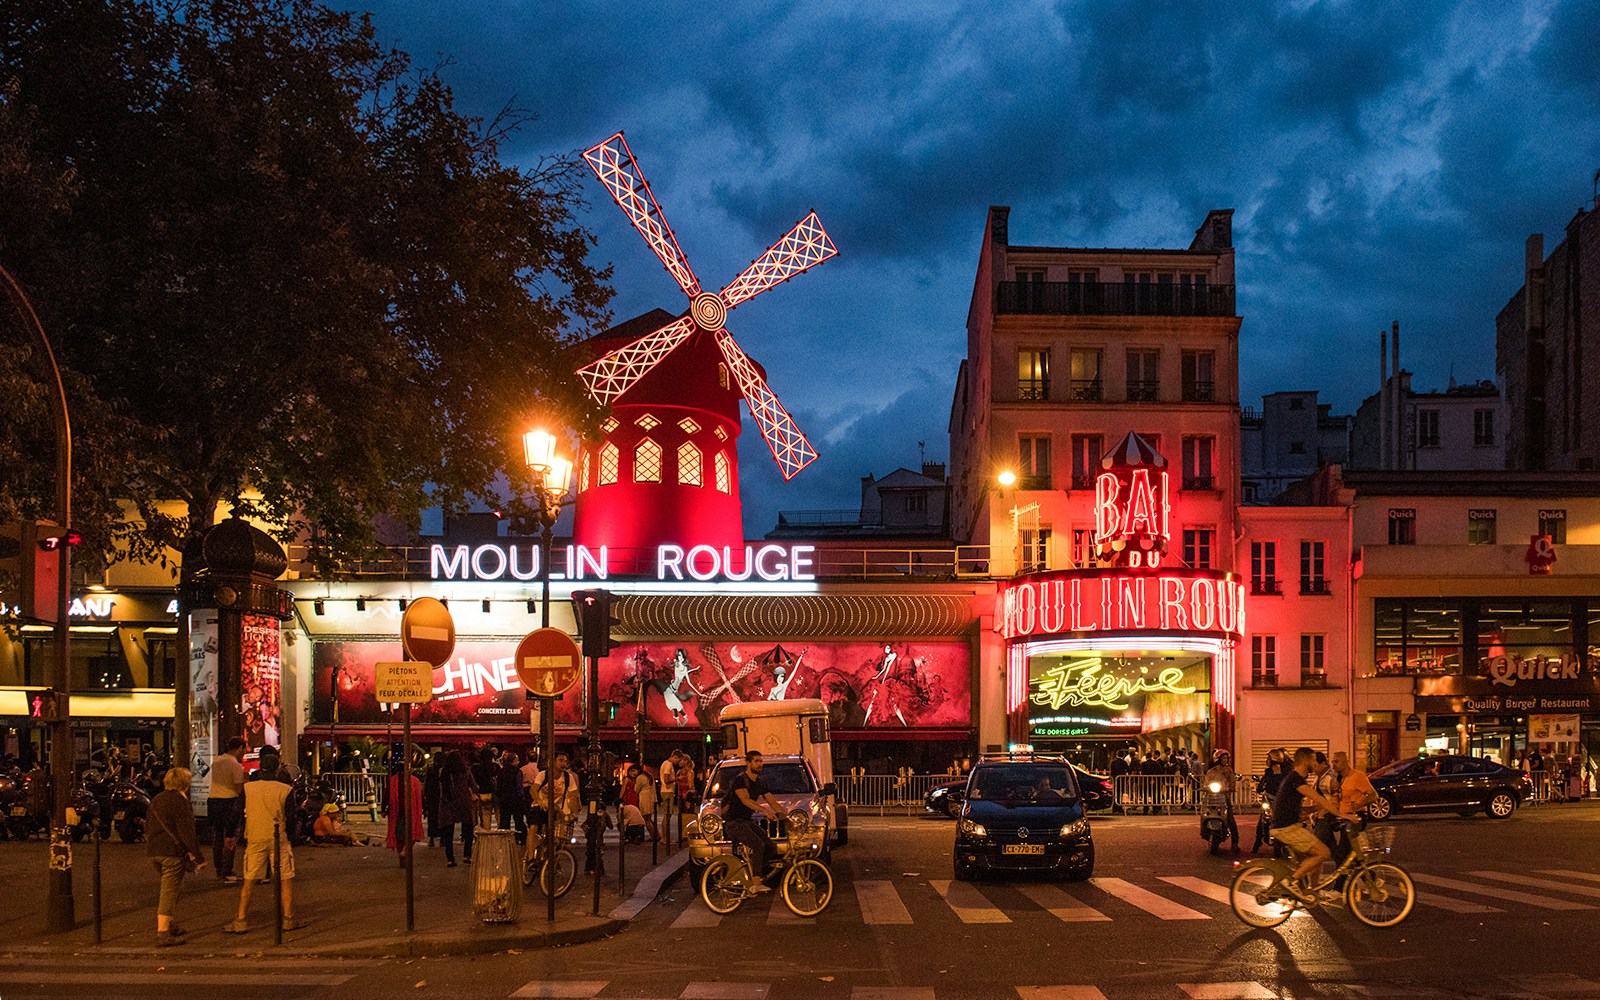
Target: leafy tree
281,271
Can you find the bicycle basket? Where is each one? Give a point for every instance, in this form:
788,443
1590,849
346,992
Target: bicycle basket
1375,841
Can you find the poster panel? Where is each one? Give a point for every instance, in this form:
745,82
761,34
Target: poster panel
1553,728
202,706
261,681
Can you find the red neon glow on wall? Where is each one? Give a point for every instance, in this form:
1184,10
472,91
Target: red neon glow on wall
1175,602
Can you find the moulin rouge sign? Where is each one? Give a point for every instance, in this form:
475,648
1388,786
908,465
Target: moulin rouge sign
703,563
1131,589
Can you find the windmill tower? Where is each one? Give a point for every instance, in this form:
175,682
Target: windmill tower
665,470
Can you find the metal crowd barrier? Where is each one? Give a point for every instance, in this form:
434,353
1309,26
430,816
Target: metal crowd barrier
362,792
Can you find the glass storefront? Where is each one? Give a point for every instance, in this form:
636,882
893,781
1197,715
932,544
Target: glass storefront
1485,636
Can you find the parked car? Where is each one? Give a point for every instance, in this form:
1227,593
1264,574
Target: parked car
945,799
791,781
1023,814
1464,784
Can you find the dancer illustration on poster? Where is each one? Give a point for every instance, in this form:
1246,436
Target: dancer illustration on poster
781,679
680,676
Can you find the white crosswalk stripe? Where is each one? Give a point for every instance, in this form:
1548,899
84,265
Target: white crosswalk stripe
1566,873
1541,883
972,906
880,903
696,915
1510,895
1144,899
1061,905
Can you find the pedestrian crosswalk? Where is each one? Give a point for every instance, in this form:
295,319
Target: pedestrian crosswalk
917,900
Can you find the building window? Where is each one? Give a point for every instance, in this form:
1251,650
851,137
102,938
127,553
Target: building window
1152,439
1035,544
1087,450
691,467
1083,547
647,462
648,422
1197,468
1480,527
1197,544
1402,526
1264,567
1144,374
1085,374
609,424
1313,665
1198,379
1296,403
1554,524
1313,568
1263,661
1034,463
1483,428
610,459
1427,428
688,426
916,503
724,472
1297,447
1033,375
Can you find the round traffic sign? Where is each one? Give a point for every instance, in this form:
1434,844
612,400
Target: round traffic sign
548,662
427,631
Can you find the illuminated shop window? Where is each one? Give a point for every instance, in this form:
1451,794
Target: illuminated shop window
689,426
647,462
724,473
691,468
609,424
609,460
648,422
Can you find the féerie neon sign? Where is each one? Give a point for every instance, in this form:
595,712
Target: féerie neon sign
1085,683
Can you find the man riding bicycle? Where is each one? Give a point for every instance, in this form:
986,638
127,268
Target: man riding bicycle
747,795
1297,787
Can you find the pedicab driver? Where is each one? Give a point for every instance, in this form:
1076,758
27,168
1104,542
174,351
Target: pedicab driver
747,795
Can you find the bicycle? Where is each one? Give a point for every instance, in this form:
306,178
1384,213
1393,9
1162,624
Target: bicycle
807,886
562,871
1378,892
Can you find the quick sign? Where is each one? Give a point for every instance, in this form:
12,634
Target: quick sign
1087,602
769,563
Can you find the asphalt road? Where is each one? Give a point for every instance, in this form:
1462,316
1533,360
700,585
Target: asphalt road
1506,909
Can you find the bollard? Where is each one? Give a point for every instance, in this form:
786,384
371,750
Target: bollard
622,845
99,935
655,828
595,850
277,884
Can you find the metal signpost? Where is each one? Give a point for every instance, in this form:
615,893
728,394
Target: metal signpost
548,664
428,634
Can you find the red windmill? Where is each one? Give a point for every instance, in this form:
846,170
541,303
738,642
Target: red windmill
665,470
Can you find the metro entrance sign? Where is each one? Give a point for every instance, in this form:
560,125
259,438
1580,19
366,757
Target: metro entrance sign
548,662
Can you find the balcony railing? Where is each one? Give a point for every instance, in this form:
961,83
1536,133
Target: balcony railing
1083,481
1033,390
1264,679
1064,298
1033,482
1265,585
1198,392
1143,390
1085,390
1318,587
1199,483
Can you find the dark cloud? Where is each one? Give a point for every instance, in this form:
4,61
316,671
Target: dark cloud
1385,162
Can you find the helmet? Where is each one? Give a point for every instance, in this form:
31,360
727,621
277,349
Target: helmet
330,810
1220,755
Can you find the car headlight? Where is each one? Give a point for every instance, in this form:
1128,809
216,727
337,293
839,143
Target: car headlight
938,793
711,827
973,828
1076,828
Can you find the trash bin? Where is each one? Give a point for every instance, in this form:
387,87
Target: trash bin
496,877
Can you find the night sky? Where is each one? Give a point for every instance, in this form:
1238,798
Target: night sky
1384,161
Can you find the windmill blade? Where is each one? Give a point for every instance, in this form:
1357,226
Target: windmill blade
613,374
803,247
612,161
788,446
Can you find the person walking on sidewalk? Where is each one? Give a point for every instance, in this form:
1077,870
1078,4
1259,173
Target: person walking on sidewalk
174,849
225,807
264,798
458,803
396,840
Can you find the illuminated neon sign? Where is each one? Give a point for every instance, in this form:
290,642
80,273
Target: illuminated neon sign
1132,506
770,563
1196,601
1085,683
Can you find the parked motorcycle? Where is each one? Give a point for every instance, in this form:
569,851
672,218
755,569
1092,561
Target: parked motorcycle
27,808
129,804
305,805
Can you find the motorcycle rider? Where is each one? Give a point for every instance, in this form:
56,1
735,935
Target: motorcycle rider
1221,773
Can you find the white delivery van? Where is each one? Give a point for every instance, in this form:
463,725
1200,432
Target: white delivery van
797,726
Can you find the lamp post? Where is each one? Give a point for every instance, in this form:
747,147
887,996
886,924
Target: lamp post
551,476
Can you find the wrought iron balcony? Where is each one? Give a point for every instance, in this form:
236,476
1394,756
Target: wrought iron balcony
1085,390
1033,390
1265,585
1064,298
1198,392
1143,390
1316,586
1083,481
1199,482
1264,679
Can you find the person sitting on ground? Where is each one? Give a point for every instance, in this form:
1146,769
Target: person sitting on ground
330,831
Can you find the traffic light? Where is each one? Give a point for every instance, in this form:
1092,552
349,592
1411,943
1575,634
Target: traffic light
31,551
593,611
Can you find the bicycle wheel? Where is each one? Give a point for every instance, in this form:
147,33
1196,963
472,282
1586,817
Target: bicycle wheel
558,874
808,888
1258,895
721,886
529,866
1380,895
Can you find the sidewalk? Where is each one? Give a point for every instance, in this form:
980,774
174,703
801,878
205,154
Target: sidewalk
353,900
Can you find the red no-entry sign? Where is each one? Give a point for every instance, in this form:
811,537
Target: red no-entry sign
548,662
427,631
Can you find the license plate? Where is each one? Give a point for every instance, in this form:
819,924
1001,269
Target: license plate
119,817
1022,849
23,810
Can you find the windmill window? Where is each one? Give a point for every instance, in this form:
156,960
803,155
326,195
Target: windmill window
722,435
610,459
648,422
722,375
583,471
691,468
688,425
647,462
609,424
724,473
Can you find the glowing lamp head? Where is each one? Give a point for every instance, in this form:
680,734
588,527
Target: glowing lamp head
1007,479
539,449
